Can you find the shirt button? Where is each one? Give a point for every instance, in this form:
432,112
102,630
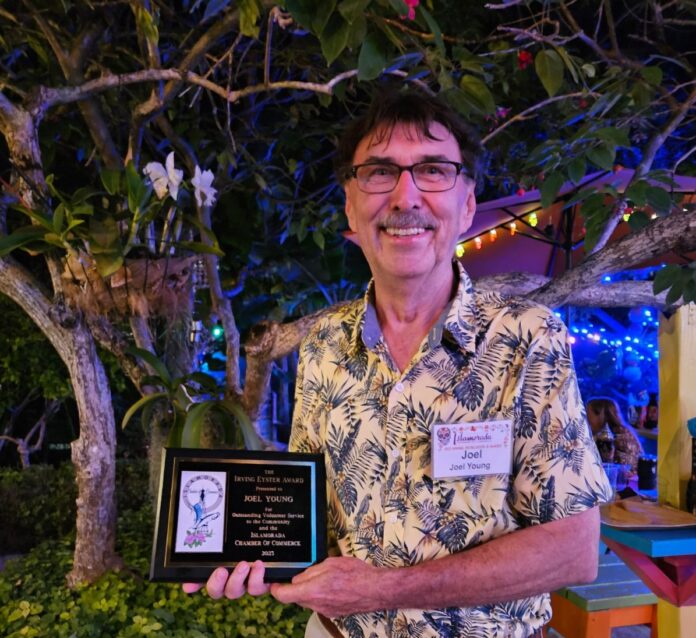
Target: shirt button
395,454
393,518
399,387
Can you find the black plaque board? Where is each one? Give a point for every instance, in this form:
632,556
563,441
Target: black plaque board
220,507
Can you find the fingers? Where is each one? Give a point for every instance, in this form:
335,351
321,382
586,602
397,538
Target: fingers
191,588
216,584
256,586
307,574
244,577
235,586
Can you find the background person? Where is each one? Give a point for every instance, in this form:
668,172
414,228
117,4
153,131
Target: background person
418,554
627,447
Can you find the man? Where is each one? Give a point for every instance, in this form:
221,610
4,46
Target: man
422,552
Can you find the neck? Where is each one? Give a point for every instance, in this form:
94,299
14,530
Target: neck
407,311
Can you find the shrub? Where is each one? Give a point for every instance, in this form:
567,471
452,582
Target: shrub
34,602
38,503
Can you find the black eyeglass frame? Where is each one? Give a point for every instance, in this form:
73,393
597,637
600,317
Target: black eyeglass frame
460,169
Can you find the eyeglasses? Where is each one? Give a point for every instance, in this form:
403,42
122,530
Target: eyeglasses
430,177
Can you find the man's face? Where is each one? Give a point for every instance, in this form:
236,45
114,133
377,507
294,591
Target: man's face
409,234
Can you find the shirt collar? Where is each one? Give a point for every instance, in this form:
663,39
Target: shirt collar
458,321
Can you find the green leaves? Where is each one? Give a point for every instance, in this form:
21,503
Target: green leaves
334,38
111,179
21,237
576,169
595,210
652,74
322,13
234,419
373,57
141,403
249,13
138,191
158,366
658,199
106,245
549,189
478,93
549,67
602,155
353,10
681,281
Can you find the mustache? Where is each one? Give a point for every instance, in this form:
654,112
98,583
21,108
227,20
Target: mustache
410,219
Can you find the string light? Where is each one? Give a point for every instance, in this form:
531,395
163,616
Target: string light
477,242
460,250
533,220
627,213
513,228
494,234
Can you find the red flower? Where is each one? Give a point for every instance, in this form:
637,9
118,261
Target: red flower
524,59
411,4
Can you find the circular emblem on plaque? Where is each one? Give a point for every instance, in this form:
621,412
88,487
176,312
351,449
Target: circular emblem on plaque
202,493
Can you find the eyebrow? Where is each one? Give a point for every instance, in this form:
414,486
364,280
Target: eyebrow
388,159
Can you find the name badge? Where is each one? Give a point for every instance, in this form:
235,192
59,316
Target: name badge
471,449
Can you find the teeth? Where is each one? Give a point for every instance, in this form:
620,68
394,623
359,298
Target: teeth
403,232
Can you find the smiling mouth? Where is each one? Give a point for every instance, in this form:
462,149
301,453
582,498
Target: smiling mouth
405,232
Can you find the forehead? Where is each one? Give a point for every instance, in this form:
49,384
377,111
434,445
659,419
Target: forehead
404,141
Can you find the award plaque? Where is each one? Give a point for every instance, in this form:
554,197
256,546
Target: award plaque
220,507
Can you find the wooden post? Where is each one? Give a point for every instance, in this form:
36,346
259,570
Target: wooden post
677,404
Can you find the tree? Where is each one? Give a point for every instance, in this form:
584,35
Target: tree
91,95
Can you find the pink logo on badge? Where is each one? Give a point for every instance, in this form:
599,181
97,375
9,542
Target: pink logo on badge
443,435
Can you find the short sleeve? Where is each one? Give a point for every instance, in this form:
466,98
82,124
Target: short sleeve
557,470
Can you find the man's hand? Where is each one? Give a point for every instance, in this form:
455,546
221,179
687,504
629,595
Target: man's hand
235,585
335,587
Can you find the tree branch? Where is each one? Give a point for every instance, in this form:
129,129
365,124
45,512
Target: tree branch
113,341
614,295
71,65
539,105
270,341
47,98
675,232
649,153
223,308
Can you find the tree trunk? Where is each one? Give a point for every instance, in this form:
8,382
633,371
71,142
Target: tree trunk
94,458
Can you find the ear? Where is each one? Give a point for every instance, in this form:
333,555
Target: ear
466,214
350,211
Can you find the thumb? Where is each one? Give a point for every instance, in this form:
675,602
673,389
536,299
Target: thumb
191,588
284,593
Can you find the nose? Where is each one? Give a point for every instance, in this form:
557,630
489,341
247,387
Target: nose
406,194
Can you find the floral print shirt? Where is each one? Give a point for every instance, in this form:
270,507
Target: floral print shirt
487,358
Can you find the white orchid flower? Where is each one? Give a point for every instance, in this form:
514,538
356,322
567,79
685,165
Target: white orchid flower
164,178
203,187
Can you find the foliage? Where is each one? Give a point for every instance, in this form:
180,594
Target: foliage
27,360
192,400
35,602
39,502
